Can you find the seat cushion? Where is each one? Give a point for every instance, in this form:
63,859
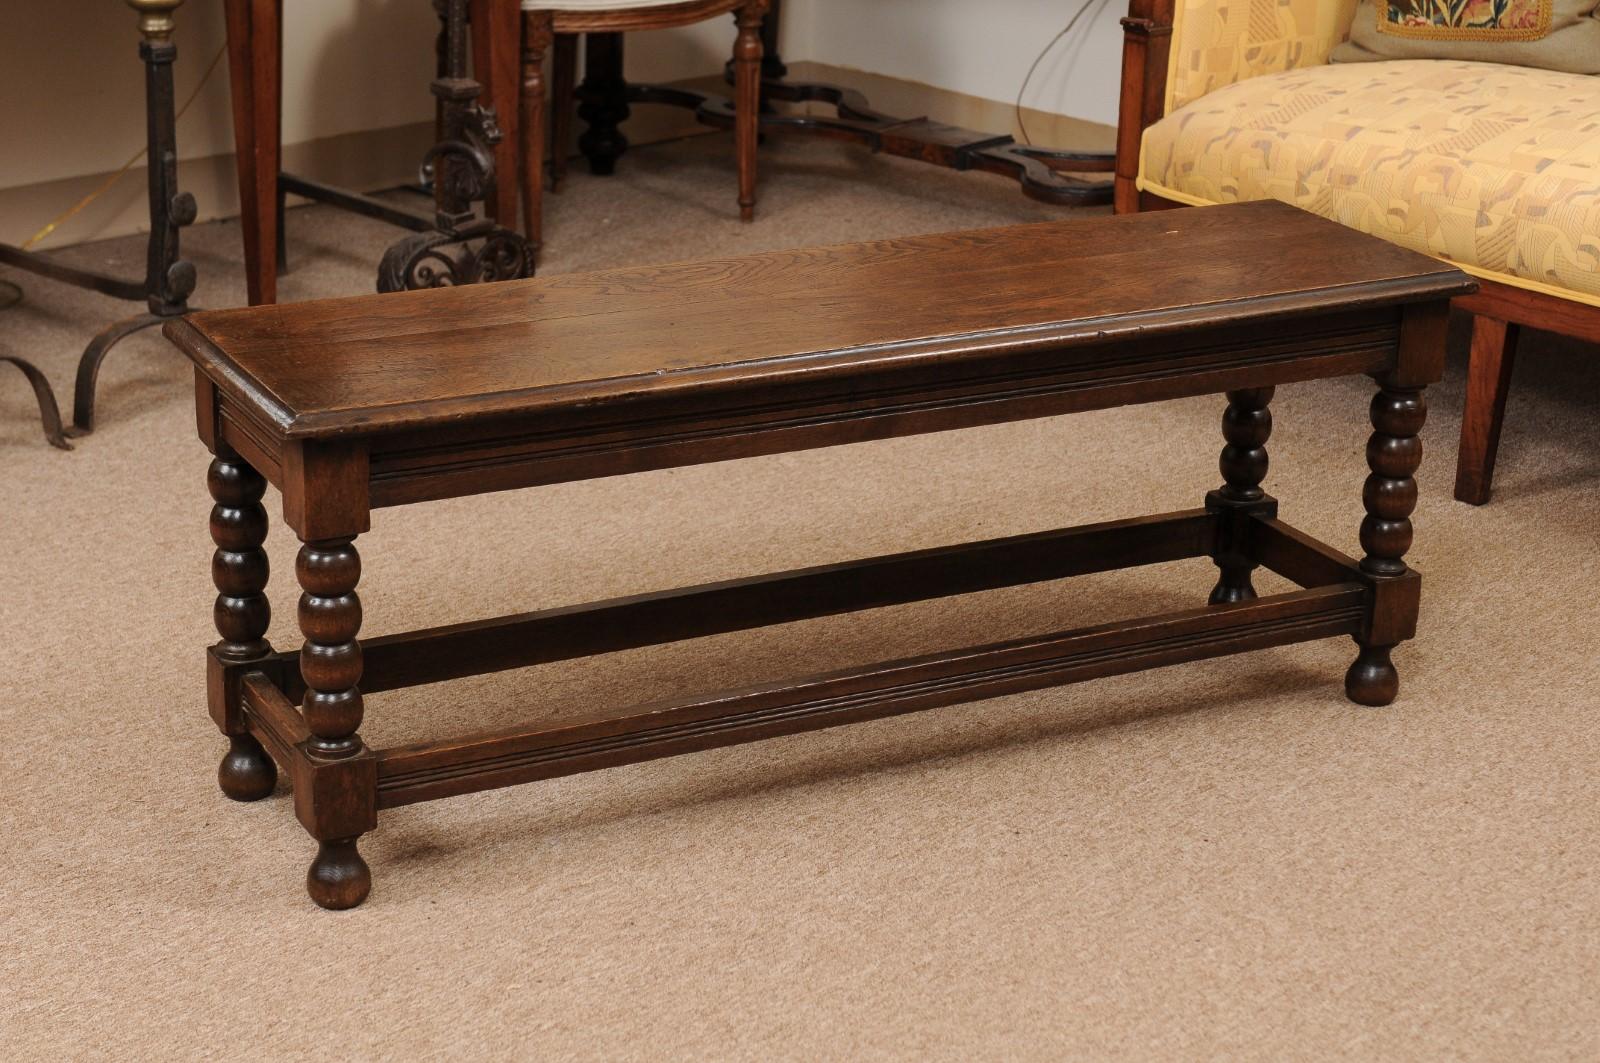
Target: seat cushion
1495,168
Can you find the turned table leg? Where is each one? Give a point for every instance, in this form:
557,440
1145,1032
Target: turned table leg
747,102
330,665
1246,425
1390,495
603,103
242,613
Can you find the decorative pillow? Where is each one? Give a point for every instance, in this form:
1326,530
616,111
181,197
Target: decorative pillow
1559,35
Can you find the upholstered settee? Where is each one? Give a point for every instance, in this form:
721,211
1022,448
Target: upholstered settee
1494,168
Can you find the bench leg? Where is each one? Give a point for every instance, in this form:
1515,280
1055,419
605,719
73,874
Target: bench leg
242,613
1393,454
1246,425
330,665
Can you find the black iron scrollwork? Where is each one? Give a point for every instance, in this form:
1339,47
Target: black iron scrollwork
468,248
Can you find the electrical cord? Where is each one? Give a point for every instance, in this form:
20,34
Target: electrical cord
107,184
1083,9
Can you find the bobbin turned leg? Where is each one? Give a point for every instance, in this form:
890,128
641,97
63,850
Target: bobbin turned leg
1393,454
1246,425
242,613
330,665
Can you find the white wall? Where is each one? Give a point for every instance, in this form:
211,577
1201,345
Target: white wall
976,47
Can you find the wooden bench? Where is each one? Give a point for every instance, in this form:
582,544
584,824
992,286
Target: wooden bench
350,405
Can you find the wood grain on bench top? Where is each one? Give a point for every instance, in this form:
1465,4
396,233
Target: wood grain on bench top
387,362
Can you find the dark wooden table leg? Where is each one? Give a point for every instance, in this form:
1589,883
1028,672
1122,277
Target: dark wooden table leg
495,60
255,60
563,85
771,62
1390,495
242,613
603,103
330,665
747,103
1246,425
536,40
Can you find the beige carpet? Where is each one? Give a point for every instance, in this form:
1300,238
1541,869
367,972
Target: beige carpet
1219,861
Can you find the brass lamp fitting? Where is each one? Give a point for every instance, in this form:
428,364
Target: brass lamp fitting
155,18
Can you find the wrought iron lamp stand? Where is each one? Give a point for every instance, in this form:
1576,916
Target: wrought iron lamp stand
169,280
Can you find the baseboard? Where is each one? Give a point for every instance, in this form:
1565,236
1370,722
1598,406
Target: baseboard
913,99
382,158
367,160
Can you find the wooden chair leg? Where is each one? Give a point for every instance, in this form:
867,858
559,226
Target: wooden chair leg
563,99
747,51
494,61
536,37
255,62
1494,350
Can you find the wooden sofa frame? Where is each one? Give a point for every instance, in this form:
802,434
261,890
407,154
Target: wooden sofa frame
1499,311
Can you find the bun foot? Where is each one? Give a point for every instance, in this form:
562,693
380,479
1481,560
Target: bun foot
246,772
338,878
1226,593
1372,679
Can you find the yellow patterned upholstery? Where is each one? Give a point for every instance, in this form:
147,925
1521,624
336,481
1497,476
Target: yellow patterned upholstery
1495,168
1219,42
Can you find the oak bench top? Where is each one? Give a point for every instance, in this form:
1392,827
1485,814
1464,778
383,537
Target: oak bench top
376,363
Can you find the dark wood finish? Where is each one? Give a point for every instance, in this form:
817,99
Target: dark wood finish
1494,352
255,64
348,405
425,772
610,342
330,660
1146,47
747,101
242,613
1501,310
495,59
435,655
537,35
602,102
563,101
1534,310
1393,454
1246,425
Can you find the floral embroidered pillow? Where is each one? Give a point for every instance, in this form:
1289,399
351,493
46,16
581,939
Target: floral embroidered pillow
1553,34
